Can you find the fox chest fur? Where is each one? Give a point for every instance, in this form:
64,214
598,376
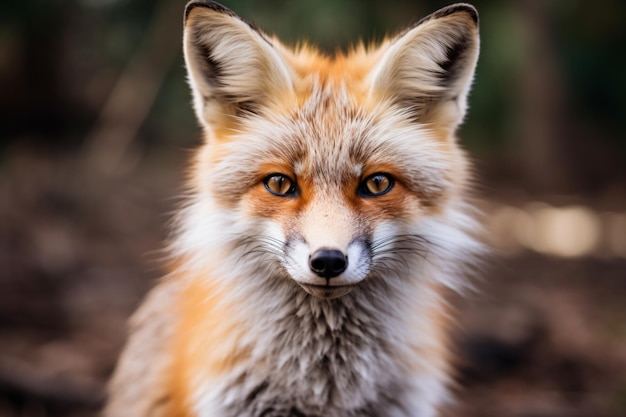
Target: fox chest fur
343,357
326,220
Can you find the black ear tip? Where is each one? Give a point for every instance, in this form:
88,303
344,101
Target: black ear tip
207,4
456,8
469,9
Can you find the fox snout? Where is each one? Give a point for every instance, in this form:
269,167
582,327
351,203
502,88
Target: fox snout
327,272
328,263
327,266
330,253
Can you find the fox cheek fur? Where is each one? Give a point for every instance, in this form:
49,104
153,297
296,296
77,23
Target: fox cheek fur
326,219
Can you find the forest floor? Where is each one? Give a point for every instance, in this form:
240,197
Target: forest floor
543,337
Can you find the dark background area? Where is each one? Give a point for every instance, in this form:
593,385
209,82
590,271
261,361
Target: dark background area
96,126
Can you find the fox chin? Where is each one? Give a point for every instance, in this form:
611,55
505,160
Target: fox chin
327,220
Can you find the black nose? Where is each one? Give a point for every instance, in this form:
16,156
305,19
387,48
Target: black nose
328,263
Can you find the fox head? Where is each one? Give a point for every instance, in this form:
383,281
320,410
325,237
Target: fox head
328,171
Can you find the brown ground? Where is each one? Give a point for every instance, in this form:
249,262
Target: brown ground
544,337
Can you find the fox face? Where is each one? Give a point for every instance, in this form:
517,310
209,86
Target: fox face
330,203
333,162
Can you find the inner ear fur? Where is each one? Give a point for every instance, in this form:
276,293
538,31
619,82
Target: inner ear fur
234,70
428,69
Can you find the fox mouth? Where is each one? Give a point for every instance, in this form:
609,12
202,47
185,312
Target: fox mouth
326,292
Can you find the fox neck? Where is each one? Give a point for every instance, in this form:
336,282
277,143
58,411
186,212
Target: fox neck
348,356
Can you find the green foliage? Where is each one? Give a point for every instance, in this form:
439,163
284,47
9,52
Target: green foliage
84,44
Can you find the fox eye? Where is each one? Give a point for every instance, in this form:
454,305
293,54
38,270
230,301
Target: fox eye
280,185
376,184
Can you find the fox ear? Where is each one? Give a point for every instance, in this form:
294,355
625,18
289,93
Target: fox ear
428,69
234,70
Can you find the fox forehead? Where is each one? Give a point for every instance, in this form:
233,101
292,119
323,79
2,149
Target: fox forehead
332,138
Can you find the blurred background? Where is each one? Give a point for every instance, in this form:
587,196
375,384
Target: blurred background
96,126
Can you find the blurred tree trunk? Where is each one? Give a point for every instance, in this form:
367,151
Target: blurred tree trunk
132,97
543,147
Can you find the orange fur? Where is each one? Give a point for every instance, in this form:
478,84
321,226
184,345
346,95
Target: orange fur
206,341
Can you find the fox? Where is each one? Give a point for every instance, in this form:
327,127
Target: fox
327,222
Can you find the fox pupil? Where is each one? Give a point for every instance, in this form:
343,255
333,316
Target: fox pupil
377,183
281,182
